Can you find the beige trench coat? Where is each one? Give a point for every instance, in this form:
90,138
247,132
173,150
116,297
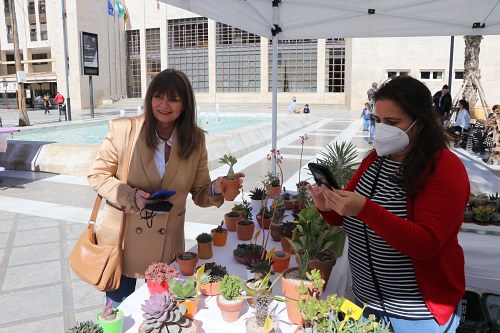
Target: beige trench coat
144,245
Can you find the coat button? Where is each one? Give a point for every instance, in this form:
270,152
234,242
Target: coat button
162,231
138,230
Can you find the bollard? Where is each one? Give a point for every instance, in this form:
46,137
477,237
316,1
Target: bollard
139,110
122,113
217,112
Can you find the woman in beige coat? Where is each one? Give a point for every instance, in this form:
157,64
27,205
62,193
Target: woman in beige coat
168,153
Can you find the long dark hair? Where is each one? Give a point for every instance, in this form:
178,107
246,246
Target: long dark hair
415,99
172,82
465,104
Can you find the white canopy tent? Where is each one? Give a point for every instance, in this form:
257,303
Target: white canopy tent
301,19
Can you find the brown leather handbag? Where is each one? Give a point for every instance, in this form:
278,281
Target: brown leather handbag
100,265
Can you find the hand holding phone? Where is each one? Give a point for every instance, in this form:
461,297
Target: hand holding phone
323,175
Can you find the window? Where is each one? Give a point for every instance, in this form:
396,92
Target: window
133,64
297,65
41,7
393,73
188,49
31,7
459,75
335,65
39,56
153,53
10,34
238,60
43,31
431,75
33,36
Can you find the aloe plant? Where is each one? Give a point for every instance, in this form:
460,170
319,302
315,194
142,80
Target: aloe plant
231,161
341,159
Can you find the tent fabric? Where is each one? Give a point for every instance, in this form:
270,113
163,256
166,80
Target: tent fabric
299,19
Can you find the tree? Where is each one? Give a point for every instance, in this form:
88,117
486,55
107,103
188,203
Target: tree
471,68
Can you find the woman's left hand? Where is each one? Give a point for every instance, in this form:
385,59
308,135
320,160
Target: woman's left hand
345,203
218,182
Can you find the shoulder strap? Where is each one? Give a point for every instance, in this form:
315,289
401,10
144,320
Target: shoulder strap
98,199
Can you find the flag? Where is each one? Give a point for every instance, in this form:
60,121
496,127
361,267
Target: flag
119,8
111,11
126,16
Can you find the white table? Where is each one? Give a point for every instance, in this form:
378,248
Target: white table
208,315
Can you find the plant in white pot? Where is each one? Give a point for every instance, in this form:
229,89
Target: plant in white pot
257,196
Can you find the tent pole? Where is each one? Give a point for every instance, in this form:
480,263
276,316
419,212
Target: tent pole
275,99
450,71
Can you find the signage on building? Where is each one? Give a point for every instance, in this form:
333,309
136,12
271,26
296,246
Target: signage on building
89,50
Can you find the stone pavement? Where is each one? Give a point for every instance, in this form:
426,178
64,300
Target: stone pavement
42,215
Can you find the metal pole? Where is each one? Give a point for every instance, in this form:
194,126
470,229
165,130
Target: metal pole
91,93
274,130
66,65
450,76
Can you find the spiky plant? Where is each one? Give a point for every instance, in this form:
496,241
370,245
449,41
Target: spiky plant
231,161
85,327
162,314
341,159
263,300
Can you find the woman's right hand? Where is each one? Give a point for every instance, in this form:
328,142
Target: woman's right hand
140,198
318,196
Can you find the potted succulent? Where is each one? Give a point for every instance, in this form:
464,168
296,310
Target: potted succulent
185,293
87,326
230,183
187,262
342,159
229,300
244,229
111,320
278,207
162,314
210,277
302,198
204,245
242,250
264,217
258,266
257,196
281,261
262,322
231,219
288,199
157,275
272,184
286,232
244,208
219,235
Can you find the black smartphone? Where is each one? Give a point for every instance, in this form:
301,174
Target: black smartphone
323,175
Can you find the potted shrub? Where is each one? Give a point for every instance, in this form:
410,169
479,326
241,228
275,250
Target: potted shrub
288,199
278,208
244,208
281,261
242,250
157,275
185,293
187,262
302,198
230,183
286,232
231,219
219,235
87,326
204,245
244,229
257,196
229,300
262,319
210,277
264,217
482,214
272,184
162,314
111,320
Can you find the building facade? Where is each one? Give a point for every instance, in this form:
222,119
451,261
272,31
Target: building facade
225,64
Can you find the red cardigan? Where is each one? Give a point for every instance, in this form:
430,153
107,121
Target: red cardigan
431,240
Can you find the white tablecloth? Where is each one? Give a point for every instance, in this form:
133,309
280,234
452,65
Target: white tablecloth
482,267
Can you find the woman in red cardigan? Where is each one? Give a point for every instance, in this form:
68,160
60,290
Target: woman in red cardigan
402,212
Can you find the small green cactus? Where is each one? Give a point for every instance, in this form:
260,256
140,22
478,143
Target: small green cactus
85,327
231,287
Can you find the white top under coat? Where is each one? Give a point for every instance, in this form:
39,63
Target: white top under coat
159,154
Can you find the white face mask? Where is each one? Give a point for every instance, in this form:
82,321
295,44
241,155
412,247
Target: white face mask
390,139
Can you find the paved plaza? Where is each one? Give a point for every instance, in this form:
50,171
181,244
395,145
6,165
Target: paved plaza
42,214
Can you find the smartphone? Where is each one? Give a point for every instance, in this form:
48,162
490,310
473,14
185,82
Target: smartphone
161,195
323,175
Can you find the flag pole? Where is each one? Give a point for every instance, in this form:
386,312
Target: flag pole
109,53
114,40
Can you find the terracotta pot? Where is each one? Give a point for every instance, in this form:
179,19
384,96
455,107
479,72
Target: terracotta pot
210,289
273,191
220,238
230,221
285,245
245,232
298,205
280,264
157,288
230,188
230,311
187,266
325,267
191,308
275,232
263,223
241,260
289,204
205,250
289,289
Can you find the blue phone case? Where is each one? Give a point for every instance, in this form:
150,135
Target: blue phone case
161,195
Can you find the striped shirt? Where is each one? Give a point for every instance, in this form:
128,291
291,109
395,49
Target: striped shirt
393,270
